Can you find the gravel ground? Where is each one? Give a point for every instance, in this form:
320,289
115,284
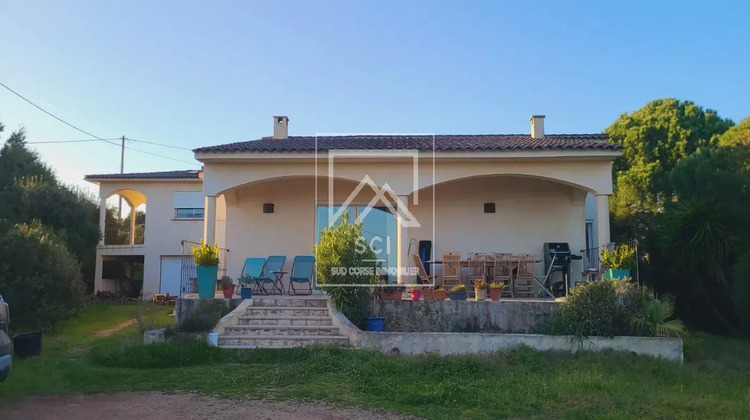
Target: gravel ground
160,406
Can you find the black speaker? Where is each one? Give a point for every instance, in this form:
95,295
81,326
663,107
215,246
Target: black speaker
489,207
425,253
267,207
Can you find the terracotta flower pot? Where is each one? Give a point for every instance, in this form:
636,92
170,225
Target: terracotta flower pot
228,290
433,295
495,294
391,295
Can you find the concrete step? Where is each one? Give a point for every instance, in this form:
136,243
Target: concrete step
317,302
277,342
281,330
286,311
283,320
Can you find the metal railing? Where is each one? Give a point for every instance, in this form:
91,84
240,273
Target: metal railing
188,276
593,269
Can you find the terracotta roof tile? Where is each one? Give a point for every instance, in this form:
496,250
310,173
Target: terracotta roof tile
192,174
485,142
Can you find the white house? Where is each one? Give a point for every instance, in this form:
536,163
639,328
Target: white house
463,193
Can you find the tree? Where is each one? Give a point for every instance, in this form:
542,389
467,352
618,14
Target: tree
702,233
30,191
39,277
739,135
655,139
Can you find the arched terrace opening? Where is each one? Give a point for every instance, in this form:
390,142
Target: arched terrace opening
124,218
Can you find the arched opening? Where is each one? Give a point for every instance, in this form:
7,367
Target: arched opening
125,218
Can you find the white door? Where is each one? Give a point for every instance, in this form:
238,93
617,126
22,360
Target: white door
170,275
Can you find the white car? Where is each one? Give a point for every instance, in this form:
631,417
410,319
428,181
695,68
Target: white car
5,359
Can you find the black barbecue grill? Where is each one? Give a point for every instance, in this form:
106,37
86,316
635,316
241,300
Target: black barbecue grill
557,258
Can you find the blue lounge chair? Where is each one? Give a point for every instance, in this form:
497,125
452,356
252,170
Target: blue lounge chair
271,276
302,272
252,269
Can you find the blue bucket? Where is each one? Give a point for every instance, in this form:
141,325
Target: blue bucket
246,293
375,323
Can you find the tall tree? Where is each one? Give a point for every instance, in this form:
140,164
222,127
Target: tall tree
739,135
655,139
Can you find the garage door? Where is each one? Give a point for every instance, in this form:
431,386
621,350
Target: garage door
170,275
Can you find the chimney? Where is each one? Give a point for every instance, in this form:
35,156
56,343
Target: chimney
280,127
537,126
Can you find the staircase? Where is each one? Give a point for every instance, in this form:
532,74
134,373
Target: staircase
281,322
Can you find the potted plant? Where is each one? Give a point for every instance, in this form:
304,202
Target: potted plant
415,292
246,291
458,292
480,290
495,290
207,268
434,295
392,293
375,323
227,287
618,261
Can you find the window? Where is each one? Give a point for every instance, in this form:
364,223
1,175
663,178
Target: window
191,213
591,252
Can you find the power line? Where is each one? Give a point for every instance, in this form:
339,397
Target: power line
159,144
54,116
161,156
66,141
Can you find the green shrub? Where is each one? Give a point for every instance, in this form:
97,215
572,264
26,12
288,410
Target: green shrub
611,308
174,353
204,317
206,255
343,247
39,277
621,257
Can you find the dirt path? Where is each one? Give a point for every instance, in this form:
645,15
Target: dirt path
160,406
110,331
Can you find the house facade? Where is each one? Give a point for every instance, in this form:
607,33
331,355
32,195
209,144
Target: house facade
458,193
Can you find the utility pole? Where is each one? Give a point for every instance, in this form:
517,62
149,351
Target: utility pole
122,168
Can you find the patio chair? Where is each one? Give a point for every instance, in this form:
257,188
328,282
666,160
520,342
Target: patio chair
422,275
252,269
502,272
523,280
303,268
477,267
273,266
451,269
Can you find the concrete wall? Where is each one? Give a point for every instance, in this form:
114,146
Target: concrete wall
450,343
184,307
162,233
506,316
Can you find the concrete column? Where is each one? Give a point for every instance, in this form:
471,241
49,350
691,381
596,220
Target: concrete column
132,225
102,217
402,240
209,220
602,217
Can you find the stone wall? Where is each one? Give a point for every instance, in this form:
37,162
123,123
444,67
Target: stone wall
504,316
184,307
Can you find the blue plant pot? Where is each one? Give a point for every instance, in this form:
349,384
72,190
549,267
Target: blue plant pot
375,323
618,273
246,293
207,281
458,295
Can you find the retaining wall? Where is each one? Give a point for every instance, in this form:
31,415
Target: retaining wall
184,307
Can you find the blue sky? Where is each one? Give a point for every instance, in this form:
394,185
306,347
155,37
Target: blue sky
199,73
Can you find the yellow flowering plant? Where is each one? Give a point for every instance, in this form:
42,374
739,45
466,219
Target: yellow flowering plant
206,255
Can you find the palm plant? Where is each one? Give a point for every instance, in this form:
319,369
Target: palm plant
656,318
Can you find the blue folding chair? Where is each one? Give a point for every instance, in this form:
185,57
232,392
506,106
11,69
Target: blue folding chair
271,275
252,269
303,268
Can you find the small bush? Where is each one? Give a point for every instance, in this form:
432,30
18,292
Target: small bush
174,353
204,317
39,277
610,308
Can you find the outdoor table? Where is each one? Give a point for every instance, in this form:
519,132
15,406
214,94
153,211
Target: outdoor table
279,275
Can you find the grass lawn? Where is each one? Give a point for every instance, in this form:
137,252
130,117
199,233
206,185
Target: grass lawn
713,383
